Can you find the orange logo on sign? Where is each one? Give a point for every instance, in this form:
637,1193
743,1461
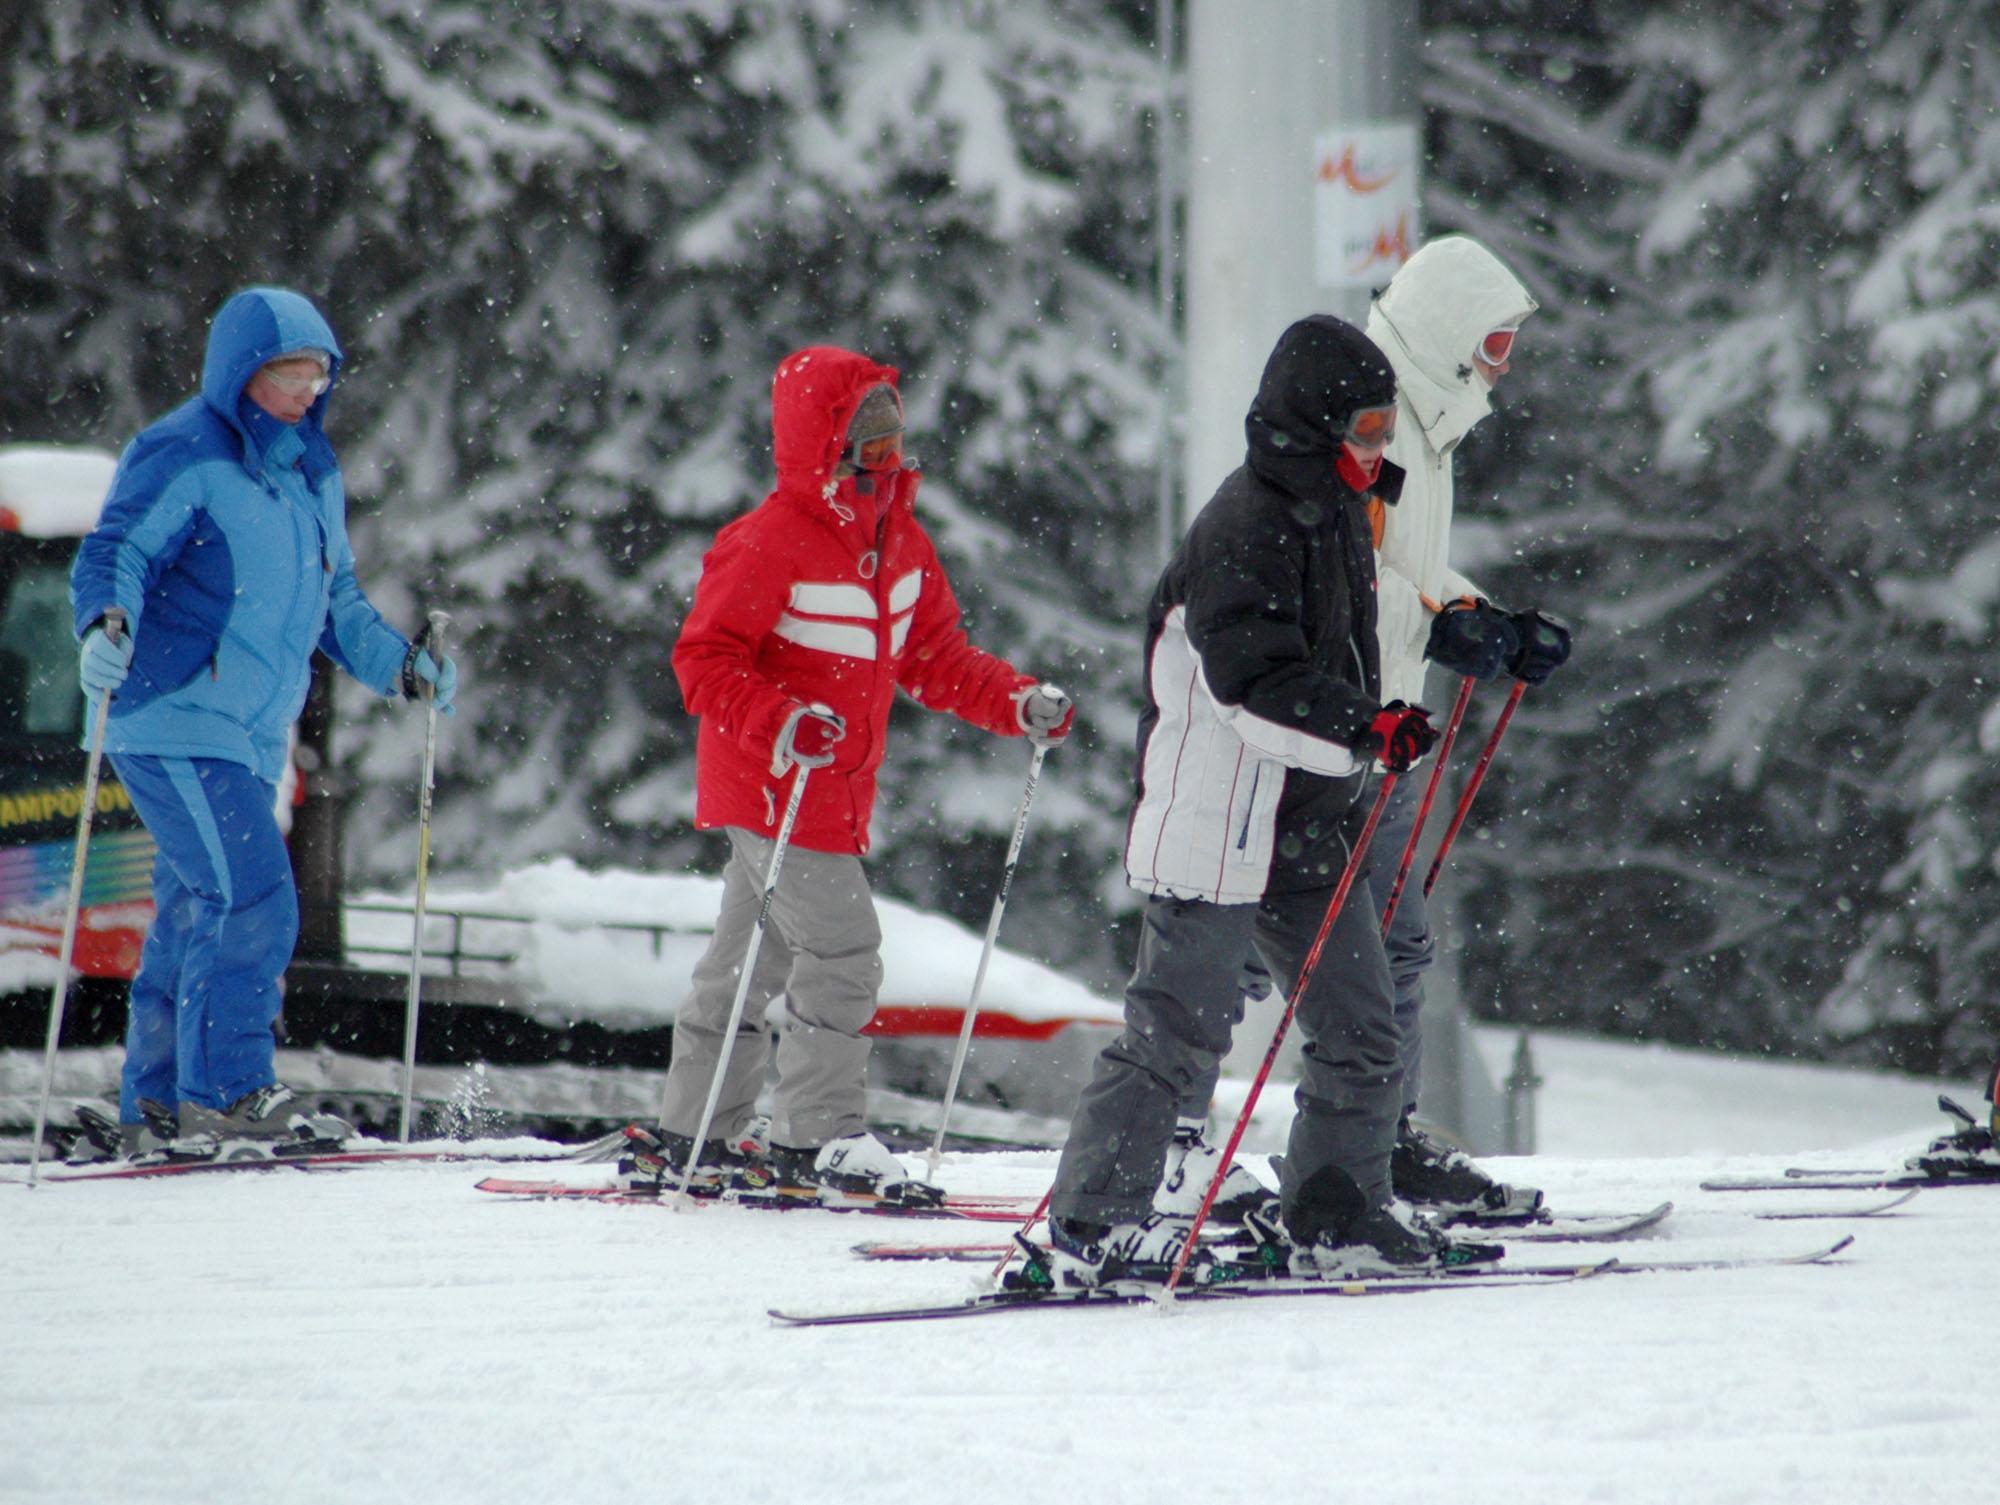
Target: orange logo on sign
1392,246
1342,169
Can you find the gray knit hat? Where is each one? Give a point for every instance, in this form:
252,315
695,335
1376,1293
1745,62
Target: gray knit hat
880,414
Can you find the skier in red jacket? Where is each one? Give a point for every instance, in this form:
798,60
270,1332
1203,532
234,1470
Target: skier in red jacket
811,611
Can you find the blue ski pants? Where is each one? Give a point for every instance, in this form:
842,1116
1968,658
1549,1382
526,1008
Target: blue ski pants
210,978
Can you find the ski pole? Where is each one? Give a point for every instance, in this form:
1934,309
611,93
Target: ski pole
433,641
1299,986
985,956
1430,794
1472,784
1020,1237
742,986
114,628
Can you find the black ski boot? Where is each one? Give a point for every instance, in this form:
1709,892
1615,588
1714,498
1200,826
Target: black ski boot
1970,1153
655,1160
1445,1183
1335,1235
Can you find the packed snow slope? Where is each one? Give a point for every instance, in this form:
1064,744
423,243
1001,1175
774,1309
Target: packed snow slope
391,1334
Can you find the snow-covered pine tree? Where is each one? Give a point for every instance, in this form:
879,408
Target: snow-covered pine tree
1749,445
565,242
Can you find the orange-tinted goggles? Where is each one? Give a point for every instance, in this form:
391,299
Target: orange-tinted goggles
883,452
1497,346
1372,428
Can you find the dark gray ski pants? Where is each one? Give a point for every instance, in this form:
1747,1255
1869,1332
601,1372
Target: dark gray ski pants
1181,1006
1410,945
823,949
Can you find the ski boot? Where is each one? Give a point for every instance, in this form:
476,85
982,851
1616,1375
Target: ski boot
268,1123
1191,1165
105,1138
1332,1232
655,1161
1969,1153
1084,1256
1445,1183
1390,1239
855,1168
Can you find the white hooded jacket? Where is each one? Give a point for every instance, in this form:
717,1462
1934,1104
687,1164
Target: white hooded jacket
1437,308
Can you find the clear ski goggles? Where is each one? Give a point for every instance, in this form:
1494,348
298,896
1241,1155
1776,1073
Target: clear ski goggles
1372,428
296,383
1497,347
882,452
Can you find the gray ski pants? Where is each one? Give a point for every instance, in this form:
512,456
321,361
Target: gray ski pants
1181,1006
1410,945
823,949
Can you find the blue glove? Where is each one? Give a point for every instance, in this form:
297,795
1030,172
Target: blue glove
421,669
104,661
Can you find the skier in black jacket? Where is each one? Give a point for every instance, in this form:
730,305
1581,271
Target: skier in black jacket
1263,715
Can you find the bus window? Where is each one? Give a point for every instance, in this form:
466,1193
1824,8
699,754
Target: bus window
38,690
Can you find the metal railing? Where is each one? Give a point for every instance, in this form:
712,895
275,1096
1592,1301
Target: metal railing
453,952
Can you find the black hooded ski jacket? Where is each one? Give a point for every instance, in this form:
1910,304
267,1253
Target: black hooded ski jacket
1261,663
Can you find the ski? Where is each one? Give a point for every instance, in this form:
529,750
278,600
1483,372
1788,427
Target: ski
1472,1278
1134,1294
786,1199
1583,1228
1578,1228
309,1155
1809,1180
1868,1210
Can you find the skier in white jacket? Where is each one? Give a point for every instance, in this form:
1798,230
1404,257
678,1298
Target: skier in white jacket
1447,321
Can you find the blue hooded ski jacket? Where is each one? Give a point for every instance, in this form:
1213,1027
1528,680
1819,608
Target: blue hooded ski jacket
224,540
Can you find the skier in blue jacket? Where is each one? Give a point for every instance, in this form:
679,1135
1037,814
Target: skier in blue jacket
223,547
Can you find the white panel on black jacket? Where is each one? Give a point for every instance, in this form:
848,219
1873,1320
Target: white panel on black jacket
1261,659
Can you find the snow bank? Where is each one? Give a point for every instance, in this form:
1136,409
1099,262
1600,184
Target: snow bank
53,491
617,947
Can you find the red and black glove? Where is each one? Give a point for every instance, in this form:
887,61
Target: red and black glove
1403,734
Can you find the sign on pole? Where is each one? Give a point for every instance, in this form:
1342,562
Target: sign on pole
1364,203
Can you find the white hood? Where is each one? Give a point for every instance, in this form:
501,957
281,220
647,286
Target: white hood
1437,308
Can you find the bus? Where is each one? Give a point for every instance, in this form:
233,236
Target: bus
49,498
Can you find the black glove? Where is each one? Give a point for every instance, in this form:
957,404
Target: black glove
1477,640
1544,646
1403,734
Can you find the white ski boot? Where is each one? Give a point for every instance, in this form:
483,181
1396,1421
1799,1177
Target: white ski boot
1191,1167
854,1167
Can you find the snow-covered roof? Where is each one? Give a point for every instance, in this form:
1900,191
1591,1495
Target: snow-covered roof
52,490
571,961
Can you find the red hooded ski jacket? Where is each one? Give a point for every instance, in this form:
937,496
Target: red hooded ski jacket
824,593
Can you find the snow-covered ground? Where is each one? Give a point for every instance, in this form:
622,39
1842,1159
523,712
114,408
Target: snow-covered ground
390,1334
